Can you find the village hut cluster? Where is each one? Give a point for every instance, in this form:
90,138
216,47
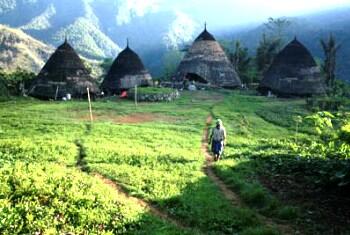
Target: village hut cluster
293,72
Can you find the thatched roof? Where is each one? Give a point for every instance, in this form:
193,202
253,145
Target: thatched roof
126,72
293,72
206,62
64,72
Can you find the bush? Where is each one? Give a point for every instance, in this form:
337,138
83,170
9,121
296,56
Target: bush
17,81
153,94
328,103
345,133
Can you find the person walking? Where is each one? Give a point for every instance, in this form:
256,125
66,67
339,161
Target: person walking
218,139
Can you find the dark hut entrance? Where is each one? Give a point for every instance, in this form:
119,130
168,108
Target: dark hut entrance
196,78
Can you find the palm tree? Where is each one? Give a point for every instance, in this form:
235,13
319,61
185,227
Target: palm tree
330,49
241,60
266,51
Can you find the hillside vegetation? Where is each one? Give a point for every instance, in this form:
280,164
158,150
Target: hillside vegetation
18,50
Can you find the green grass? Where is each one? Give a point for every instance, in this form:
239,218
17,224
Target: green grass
157,159
251,136
50,198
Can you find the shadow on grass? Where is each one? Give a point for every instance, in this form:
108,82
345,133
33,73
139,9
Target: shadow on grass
200,206
302,191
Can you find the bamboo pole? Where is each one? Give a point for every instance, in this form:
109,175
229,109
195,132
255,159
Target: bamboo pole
90,107
135,95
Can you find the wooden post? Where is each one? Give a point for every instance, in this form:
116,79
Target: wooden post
90,107
135,95
56,93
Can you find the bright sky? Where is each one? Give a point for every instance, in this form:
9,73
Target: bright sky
233,12
227,12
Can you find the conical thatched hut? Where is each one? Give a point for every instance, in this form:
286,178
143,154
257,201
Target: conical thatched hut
126,72
293,72
64,73
206,62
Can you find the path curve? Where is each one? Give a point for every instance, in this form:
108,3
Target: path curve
83,166
154,210
227,192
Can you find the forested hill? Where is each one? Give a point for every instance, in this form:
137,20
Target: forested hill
309,30
98,28
18,50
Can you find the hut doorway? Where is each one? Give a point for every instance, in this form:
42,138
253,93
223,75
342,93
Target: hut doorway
196,78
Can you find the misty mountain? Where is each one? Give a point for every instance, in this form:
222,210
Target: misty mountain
93,26
98,29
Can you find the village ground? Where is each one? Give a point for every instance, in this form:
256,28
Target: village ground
146,169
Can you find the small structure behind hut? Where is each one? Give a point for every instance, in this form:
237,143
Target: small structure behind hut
63,74
127,71
207,63
293,72
3,89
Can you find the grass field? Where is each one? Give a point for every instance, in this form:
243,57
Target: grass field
50,154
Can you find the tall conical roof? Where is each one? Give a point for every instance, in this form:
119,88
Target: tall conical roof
294,72
64,57
205,36
295,53
64,73
207,62
126,71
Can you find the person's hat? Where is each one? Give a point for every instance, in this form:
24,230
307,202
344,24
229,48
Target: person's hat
218,121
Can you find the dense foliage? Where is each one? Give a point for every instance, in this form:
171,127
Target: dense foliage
17,81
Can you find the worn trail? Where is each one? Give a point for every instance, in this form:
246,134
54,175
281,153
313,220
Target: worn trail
154,210
227,192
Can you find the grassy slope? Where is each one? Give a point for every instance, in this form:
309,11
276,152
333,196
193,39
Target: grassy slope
38,152
261,140
159,160
250,135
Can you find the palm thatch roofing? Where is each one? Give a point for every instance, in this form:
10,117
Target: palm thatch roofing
64,73
293,72
126,72
206,62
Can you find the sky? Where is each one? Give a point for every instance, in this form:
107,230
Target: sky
228,12
247,11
